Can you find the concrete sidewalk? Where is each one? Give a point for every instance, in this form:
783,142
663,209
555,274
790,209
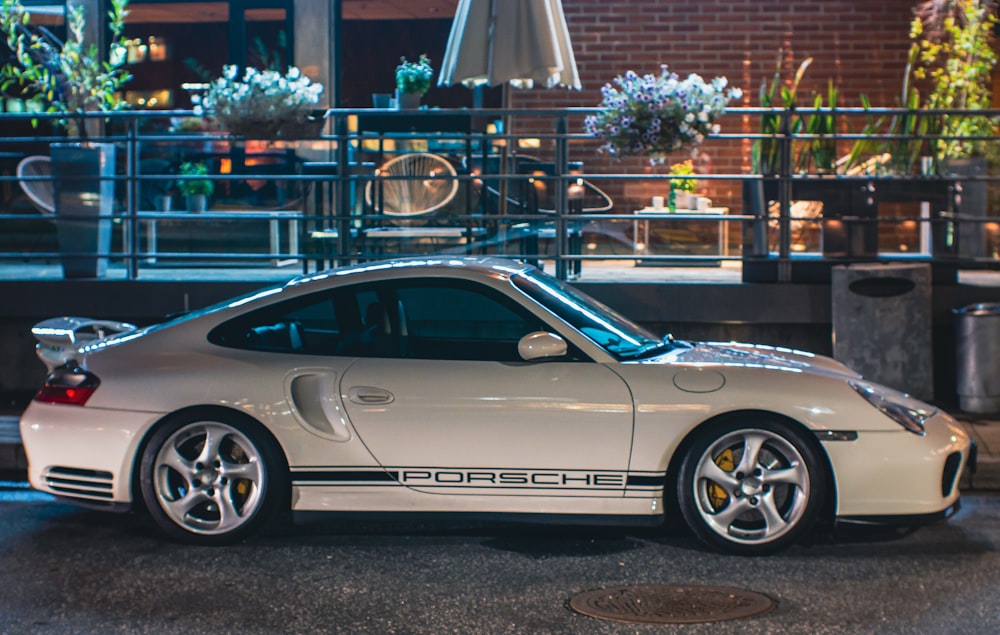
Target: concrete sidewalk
985,431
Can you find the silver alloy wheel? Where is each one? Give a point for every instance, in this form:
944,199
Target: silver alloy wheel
752,486
209,478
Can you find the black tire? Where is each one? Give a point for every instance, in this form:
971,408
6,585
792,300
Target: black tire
212,479
751,485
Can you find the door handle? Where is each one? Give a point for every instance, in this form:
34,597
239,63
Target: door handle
367,395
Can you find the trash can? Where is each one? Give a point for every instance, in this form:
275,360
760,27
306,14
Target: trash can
977,348
881,314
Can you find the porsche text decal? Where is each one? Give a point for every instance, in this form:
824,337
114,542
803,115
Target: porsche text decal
486,478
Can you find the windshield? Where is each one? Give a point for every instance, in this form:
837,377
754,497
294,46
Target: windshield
619,336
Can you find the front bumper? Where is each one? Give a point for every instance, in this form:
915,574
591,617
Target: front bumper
902,520
889,474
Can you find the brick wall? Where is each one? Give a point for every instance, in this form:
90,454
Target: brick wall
860,44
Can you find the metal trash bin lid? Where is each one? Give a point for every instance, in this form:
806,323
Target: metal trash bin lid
982,309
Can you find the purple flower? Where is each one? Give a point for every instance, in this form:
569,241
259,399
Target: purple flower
658,114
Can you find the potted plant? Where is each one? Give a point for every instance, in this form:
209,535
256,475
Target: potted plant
72,78
682,190
264,104
194,185
413,80
655,115
956,57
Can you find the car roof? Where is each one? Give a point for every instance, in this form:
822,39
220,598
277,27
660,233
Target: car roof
460,265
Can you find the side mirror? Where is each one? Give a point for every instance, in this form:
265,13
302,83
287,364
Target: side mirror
541,344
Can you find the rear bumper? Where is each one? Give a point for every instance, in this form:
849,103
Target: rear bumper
83,454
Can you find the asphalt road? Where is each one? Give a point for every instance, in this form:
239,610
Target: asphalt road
68,570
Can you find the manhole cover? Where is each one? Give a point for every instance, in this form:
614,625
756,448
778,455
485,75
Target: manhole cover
671,604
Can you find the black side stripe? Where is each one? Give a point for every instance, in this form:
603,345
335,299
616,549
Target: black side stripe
358,476
343,477
643,481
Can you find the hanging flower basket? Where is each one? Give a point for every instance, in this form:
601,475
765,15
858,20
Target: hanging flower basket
265,104
657,115
307,126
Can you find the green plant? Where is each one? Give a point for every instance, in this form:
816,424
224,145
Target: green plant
904,145
655,115
190,124
868,143
189,184
64,77
414,77
821,148
263,57
766,153
955,55
261,102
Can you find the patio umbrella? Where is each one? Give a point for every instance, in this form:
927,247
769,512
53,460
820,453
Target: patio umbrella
519,42
515,42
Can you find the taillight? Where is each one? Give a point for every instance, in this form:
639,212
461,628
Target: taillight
69,385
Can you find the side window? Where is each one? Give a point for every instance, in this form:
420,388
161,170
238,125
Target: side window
305,326
461,322
371,327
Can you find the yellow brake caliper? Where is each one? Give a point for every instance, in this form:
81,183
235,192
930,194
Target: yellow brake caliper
717,494
243,485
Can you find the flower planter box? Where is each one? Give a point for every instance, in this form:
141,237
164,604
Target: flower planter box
848,222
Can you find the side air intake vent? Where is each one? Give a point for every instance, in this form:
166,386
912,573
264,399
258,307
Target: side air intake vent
948,477
80,483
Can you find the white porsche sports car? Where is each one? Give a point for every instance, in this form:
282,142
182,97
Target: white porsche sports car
470,386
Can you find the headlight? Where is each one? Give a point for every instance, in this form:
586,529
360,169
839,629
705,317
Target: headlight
896,405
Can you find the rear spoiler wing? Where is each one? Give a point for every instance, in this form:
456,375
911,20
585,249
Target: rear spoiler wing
59,339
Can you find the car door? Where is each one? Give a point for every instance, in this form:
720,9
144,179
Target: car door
449,405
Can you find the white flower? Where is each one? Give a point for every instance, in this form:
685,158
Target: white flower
261,99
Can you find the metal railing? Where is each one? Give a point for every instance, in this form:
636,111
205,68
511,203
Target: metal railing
537,191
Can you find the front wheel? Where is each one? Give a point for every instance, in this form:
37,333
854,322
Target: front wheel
751,486
212,480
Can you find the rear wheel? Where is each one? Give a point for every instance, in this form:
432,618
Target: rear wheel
751,486
213,480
